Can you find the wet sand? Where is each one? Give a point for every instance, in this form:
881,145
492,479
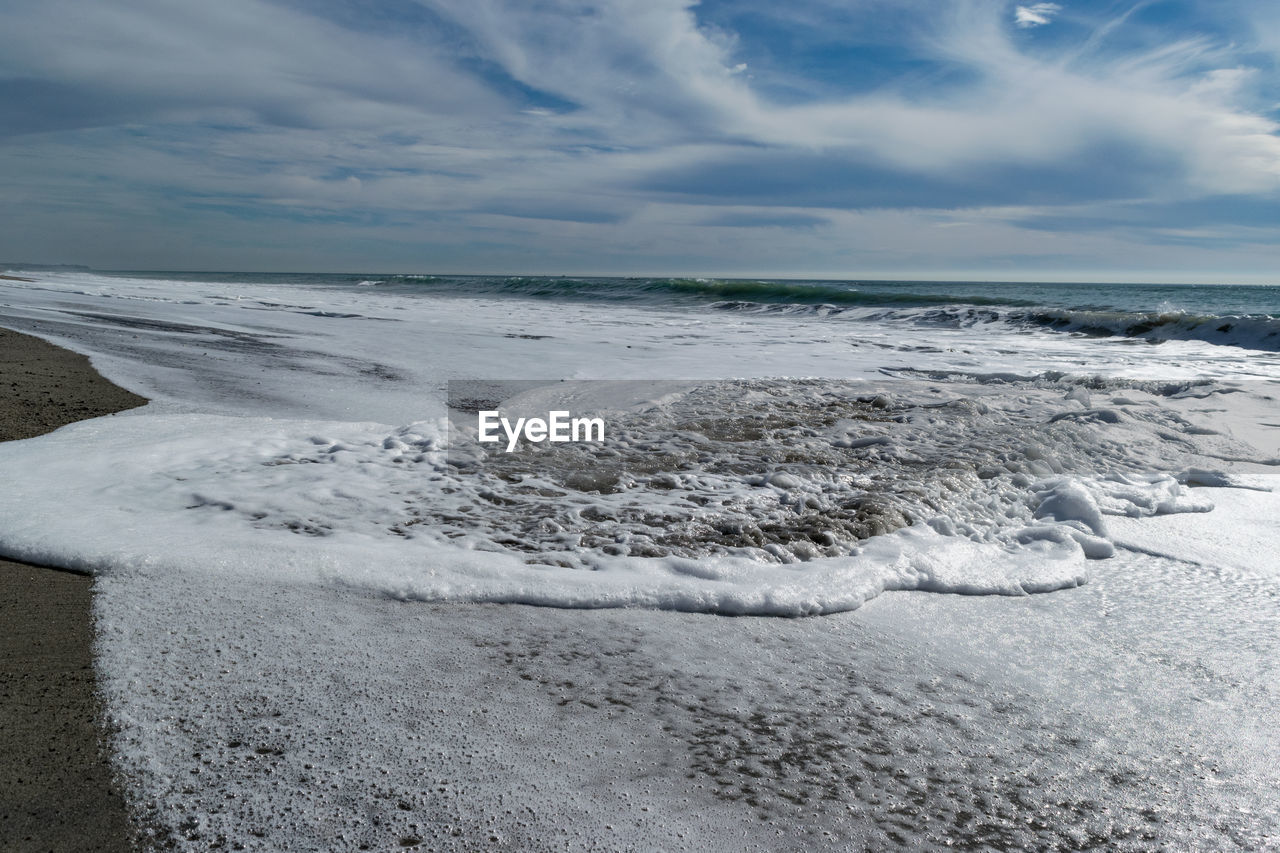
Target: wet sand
56,788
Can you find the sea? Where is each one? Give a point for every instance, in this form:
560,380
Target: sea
1243,315
1005,555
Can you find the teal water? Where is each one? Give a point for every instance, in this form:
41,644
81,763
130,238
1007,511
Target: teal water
1209,299
1245,316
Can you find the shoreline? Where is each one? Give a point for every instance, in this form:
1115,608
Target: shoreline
1135,710
57,790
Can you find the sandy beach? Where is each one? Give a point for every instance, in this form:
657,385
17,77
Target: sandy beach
56,786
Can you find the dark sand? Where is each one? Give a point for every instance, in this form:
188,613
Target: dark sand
56,790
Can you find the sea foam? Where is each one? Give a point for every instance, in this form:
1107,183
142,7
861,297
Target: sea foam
980,491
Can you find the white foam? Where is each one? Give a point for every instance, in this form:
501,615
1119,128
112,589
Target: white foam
1238,537
380,508
158,496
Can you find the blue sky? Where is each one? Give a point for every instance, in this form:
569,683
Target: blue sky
835,138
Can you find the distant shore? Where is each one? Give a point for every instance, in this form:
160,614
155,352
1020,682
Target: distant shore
56,785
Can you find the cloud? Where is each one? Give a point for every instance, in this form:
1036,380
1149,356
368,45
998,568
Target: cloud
753,219
1035,15
560,127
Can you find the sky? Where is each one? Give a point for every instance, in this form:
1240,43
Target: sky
977,139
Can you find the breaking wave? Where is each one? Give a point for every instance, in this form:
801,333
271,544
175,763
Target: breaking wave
1248,331
955,305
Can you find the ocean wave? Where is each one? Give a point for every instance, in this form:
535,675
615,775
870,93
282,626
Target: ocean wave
714,291
1248,331
812,294
952,305
1260,332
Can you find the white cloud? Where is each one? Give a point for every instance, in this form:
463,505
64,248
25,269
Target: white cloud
1035,15
247,104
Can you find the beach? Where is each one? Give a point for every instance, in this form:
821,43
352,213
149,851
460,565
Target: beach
286,671
53,750
706,427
